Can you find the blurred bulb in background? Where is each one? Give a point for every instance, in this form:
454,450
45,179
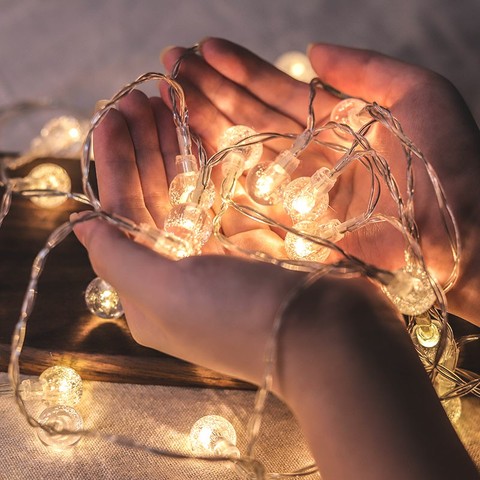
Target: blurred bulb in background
297,65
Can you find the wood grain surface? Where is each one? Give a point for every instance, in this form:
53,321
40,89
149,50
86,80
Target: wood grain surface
61,330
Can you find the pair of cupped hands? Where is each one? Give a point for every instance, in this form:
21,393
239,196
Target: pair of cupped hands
217,310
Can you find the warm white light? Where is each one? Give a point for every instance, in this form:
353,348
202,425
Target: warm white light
266,183
61,136
302,199
410,291
60,417
102,299
47,176
190,222
183,187
57,385
299,248
349,112
250,154
213,435
297,65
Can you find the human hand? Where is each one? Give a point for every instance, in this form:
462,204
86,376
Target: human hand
230,85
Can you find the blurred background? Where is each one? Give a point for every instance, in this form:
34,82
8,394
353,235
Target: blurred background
81,51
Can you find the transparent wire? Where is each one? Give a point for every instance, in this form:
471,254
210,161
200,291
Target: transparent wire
379,176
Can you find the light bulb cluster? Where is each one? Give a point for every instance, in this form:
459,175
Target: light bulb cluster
310,234
60,388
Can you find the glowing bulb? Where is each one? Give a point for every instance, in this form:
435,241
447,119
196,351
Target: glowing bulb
349,112
213,435
164,243
266,183
102,299
189,222
426,338
410,291
250,154
47,176
299,248
308,197
297,65
60,417
61,136
183,187
56,386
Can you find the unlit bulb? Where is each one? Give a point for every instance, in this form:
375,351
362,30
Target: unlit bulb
58,418
103,300
213,435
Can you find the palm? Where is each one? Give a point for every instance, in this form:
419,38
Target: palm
232,86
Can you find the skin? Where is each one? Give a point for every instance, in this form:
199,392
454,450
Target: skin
346,366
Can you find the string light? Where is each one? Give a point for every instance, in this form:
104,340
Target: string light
350,112
47,177
214,435
57,385
308,196
58,419
297,65
102,299
300,248
410,290
188,226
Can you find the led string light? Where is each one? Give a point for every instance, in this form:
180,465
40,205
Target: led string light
412,289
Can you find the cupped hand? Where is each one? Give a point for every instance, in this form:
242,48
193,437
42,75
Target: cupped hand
229,85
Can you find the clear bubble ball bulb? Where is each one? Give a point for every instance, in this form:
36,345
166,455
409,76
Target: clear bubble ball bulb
103,300
213,435
251,153
49,176
60,417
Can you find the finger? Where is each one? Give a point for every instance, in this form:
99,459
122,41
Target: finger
166,135
189,317
363,73
119,183
235,102
263,80
142,125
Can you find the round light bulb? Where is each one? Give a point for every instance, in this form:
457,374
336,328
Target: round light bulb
61,136
297,65
57,385
61,386
410,291
266,183
102,299
251,154
300,200
49,176
426,339
299,248
349,112
213,435
60,417
190,222
183,186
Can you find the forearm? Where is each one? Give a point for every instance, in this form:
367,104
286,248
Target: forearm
361,395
